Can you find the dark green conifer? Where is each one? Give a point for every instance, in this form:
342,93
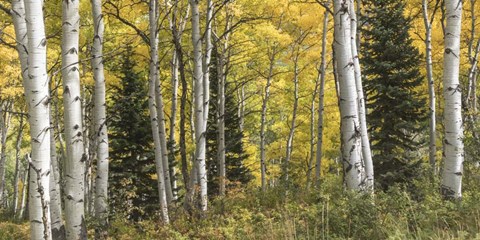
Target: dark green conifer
396,108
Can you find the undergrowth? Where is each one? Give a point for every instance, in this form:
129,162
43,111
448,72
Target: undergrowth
328,212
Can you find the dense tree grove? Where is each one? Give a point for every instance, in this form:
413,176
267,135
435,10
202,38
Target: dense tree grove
239,119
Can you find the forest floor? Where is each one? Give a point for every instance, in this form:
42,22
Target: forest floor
328,212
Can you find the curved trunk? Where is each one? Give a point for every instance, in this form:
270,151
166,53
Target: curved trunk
350,126
366,151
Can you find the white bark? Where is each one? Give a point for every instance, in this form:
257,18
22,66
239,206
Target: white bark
350,127
221,120
163,138
153,16
366,150
201,92
100,118
453,140
321,107
36,91
76,157
291,133
431,87
263,121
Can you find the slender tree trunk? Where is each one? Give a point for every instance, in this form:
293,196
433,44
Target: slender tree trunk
153,16
36,91
201,82
453,140
321,106
311,157
241,106
291,134
163,138
20,25
263,121
16,178
76,155
177,32
473,55
221,120
100,122
5,106
58,228
366,151
172,144
23,203
350,127
431,88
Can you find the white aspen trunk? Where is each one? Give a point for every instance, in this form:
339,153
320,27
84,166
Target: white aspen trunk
36,91
58,228
350,127
75,162
263,122
153,76
201,97
100,122
173,123
431,88
453,140
20,25
163,137
16,178
321,107
291,134
366,150
221,120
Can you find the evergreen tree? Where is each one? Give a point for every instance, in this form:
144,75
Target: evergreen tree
236,171
396,109
132,186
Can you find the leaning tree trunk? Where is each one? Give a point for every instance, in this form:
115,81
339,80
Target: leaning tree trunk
321,106
153,76
453,140
76,157
100,122
431,87
36,92
350,127
366,151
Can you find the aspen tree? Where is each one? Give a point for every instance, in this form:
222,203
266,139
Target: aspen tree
350,127
453,140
